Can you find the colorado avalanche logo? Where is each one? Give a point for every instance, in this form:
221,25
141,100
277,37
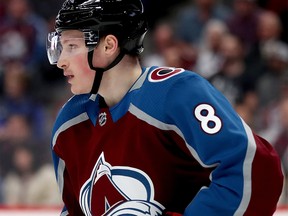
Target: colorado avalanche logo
118,191
164,73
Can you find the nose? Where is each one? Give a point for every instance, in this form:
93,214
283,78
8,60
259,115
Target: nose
62,62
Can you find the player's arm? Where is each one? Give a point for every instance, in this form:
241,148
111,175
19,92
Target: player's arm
247,177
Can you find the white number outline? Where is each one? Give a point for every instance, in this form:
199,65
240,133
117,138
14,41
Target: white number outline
205,119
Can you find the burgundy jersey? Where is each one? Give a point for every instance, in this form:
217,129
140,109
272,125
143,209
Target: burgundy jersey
172,144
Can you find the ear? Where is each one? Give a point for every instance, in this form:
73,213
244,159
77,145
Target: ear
110,44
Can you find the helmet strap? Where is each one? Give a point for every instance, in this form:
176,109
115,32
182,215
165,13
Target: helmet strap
99,71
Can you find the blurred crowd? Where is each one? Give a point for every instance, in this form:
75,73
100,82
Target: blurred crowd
240,46
31,93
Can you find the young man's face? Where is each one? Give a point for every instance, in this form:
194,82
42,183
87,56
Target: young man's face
73,61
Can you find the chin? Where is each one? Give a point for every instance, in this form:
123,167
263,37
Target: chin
78,91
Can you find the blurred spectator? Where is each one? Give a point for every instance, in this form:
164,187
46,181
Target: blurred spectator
17,128
275,54
243,23
162,38
269,118
167,50
27,183
18,99
22,34
280,7
229,78
209,59
268,29
26,165
181,55
192,19
272,88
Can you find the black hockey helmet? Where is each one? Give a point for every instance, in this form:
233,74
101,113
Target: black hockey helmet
123,18
96,18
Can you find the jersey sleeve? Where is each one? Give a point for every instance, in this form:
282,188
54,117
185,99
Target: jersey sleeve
246,177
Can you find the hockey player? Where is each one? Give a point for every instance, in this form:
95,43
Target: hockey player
148,141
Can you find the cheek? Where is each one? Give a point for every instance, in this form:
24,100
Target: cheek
84,67
85,76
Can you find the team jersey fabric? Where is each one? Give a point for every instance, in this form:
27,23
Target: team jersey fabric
172,144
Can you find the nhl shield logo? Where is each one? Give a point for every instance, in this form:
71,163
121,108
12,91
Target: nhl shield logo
102,119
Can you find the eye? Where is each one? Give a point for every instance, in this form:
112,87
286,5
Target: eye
72,46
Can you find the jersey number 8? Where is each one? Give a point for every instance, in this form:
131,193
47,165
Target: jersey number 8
210,123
